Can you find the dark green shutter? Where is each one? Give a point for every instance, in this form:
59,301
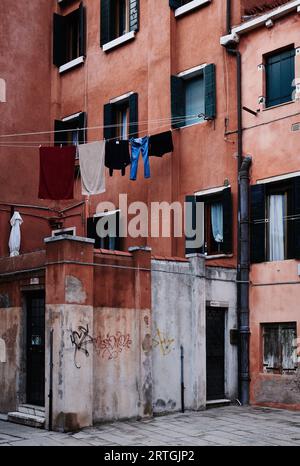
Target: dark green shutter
296,222
82,30
82,123
58,40
175,4
59,138
227,220
91,231
107,31
210,91
258,225
134,7
133,116
177,102
190,223
108,121
280,74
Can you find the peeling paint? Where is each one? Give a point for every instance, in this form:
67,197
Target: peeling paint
74,290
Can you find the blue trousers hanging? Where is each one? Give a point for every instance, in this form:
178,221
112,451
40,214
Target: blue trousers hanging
138,145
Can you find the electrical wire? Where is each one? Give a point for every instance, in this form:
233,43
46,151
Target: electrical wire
160,120
29,144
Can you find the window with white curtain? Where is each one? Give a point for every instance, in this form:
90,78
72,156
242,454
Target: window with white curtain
277,226
194,99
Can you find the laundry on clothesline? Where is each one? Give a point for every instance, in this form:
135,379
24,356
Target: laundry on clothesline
92,170
117,156
57,167
139,145
160,144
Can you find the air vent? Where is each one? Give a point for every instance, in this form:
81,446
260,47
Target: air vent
296,127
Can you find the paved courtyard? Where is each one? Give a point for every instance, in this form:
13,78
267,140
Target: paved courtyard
231,425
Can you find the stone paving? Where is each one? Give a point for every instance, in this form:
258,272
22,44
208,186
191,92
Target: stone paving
231,425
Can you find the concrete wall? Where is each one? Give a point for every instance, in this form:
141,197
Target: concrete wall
180,293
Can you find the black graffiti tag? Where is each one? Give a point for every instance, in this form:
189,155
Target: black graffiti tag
80,339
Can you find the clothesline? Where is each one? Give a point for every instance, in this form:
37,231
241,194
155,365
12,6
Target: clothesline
161,120
26,144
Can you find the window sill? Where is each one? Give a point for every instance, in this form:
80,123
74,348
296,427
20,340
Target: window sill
182,10
279,105
118,41
71,64
192,124
218,256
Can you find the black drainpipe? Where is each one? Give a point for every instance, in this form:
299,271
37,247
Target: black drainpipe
243,281
228,16
243,236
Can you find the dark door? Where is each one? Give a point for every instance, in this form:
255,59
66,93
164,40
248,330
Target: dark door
35,373
215,330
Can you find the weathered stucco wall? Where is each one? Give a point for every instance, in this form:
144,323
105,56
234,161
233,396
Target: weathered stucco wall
274,292
180,293
122,364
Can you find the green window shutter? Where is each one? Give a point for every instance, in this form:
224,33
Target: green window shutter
133,116
82,123
227,220
175,4
58,40
82,31
177,102
107,30
108,121
210,91
258,230
296,222
134,7
280,74
59,138
190,223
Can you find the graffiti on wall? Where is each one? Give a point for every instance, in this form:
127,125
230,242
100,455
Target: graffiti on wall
81,339
111,346
163,341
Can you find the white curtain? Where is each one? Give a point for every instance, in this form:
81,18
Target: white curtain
276,227
217,221
15,234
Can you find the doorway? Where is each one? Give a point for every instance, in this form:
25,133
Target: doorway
35,345
215,352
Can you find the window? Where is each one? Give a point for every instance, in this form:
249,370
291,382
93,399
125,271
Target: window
69,37
111,224
280,75
279,348
193,94
71,130
118,17
275,221
121,117
64,231
217,221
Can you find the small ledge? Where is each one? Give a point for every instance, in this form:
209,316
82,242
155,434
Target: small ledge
71,64
218,256
118,41
53,239
182,10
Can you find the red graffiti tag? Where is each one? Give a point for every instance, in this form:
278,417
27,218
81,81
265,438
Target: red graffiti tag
111,346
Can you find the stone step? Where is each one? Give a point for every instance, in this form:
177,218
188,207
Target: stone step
26,419
217,403
32,410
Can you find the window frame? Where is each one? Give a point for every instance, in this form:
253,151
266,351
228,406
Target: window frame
279,327
283,99
104,243
188,7
61,56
